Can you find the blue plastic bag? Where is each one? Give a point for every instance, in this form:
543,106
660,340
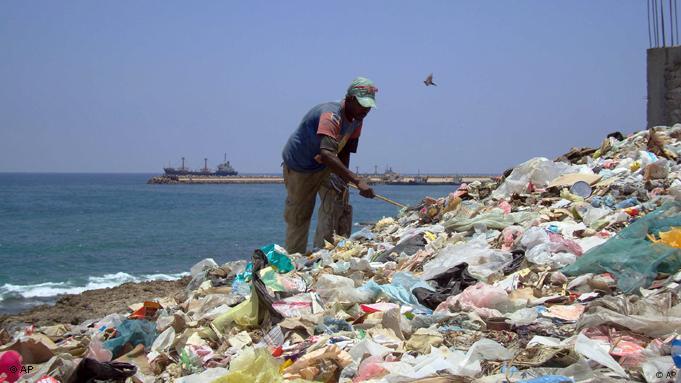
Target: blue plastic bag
400,290
277,258
630,257
134,332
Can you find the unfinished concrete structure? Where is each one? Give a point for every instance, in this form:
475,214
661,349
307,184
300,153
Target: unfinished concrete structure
664,86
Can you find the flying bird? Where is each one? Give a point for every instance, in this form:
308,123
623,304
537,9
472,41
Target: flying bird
429,80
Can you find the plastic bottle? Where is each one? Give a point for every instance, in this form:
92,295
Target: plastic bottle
676,352
676,357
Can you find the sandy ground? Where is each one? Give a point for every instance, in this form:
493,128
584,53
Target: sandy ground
95,304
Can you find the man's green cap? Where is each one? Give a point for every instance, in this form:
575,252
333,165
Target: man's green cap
364,91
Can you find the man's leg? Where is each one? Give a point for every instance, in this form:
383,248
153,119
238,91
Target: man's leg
301,190
335,212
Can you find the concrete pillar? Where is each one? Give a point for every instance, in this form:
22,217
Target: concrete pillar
664,86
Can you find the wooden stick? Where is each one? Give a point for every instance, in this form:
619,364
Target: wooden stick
388,200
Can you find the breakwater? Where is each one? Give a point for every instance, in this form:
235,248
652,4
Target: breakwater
271,179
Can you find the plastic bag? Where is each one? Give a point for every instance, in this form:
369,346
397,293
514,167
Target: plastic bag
332,325
199,271
410,369
365,233
256,366
522,317
298,305
368,346
334,288
208,375
11,366
370,368
289,283
659,369
598,352
563,244
630,256
189,362
254,310
591,215
400,290
202,266
487,349
276,256
651,323
245,314
543,255
537,171
162,343
534,236
482,298
509,236
134,332
97,351
482,261
495,219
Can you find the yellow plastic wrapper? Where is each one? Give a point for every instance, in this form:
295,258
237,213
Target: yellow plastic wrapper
383,223
635,166
347,255
430,237
245,315
670,238
565,193
254,366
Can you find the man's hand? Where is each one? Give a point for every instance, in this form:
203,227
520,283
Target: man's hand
364,189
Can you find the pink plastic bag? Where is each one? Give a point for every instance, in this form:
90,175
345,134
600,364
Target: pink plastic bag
509,236
561,243
505,206
370,368
484,299
10,366
484,295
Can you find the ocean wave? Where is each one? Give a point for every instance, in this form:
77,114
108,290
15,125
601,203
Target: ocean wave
51,289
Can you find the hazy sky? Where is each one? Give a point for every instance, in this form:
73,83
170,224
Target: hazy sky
130,86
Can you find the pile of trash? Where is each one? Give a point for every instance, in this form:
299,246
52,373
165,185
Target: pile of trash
560,271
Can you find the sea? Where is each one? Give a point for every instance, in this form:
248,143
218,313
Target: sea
67,233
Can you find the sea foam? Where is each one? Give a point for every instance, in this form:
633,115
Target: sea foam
50,289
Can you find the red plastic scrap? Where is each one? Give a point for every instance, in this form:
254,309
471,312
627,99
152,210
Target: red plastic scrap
147,311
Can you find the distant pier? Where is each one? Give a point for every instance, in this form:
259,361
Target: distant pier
373,179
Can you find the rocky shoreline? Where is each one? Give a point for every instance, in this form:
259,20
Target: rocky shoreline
94,304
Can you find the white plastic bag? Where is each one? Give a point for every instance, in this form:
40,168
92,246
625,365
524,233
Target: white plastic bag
522,317
208,375
368,346
201,266
659,369
487,349
161,344
334,288
539,171
482,261
534,236
598,352
543,255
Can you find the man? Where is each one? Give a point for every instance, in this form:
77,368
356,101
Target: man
317,160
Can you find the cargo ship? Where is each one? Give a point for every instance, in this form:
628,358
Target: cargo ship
224,169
